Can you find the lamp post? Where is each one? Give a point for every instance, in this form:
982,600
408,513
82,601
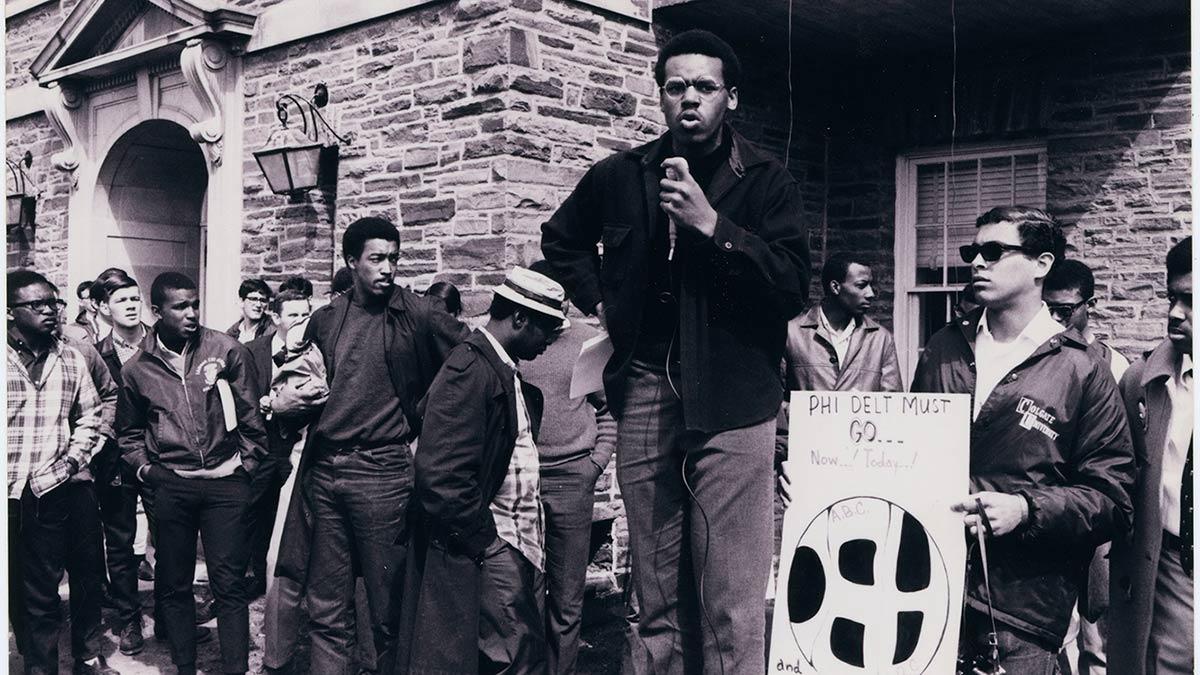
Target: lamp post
20,206
291,162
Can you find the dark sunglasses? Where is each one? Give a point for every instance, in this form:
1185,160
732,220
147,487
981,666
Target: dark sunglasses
42,305
1185,298
990,251
1067,310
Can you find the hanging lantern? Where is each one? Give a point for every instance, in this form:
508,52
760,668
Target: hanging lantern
291,160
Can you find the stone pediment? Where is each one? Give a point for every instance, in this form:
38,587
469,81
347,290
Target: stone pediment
104,37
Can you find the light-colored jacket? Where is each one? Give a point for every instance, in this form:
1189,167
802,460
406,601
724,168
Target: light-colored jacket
812,363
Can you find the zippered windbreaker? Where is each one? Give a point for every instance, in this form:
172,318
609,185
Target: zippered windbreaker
1054,430
175,420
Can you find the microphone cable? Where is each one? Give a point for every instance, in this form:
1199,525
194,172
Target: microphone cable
703,516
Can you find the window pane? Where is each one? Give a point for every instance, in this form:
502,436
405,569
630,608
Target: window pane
947,195
964,191
950,196
936,311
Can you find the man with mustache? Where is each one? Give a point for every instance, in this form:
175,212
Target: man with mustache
1051,458
189,427
704,261
1152,613
382,346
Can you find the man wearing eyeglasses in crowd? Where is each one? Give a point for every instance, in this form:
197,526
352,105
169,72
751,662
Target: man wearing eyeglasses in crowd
56,422
255,296
1051,460
704,261
1070,292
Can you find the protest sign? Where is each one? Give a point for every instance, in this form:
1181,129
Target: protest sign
872,560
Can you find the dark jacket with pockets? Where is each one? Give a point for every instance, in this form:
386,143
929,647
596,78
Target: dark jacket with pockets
175,420
107,465
417,336
460,463
1054,431
737,289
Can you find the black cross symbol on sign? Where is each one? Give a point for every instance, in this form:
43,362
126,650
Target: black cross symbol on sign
868,590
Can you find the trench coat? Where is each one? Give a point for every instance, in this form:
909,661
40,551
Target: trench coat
460,464
1134,561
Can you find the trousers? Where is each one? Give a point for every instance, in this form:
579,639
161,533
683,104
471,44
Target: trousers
57,532
216,510
568,493
359,503
700,531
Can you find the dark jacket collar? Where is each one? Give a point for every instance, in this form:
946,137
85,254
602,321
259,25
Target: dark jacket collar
152,346
106,346
742,153
396,301
503,372
484,345
1162,363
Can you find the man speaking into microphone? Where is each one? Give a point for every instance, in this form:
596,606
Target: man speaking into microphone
704,259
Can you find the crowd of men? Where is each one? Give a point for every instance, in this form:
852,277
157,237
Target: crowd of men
436,482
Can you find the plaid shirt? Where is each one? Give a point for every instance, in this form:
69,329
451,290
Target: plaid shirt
517,506
56,418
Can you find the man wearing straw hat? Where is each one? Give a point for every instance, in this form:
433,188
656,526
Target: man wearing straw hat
474,594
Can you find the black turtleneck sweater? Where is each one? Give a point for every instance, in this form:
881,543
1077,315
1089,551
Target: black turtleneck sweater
660,317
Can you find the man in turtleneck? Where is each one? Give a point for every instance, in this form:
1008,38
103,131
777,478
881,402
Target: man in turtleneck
702,260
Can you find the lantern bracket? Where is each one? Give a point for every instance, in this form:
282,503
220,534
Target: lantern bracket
310,109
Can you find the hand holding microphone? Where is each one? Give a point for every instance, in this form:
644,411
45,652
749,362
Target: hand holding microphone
683,200
672,175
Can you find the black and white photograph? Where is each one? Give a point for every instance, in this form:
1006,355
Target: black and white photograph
599,337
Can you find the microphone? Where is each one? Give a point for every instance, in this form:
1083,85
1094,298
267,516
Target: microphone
672,174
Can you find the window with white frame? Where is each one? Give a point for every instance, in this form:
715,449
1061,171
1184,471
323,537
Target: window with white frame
939,195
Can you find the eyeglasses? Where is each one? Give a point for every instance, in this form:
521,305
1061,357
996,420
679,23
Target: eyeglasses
1066,310
676,88
256,298
991,251
42,305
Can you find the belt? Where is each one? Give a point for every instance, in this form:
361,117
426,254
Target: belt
327,448
1171,542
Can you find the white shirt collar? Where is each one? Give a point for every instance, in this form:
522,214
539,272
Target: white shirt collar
1040,328
499,349
276,342
841,335
1185,366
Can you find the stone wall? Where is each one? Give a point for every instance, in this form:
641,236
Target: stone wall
24,36
1114,111
1120,149
471,122
47,252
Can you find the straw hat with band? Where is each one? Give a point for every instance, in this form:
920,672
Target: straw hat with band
534,291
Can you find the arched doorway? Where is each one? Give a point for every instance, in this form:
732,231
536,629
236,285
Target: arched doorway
149,200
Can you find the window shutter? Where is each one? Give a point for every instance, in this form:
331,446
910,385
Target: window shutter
951,195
